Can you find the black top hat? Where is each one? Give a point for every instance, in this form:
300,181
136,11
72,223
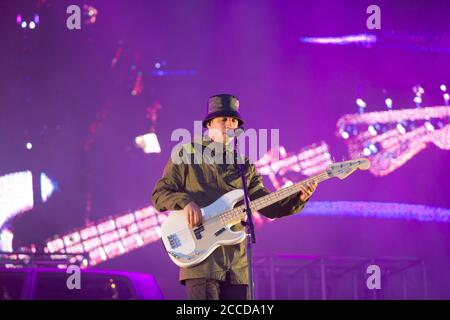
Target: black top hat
222,105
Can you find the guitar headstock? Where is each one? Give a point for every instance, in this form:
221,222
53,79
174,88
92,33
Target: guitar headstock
343,169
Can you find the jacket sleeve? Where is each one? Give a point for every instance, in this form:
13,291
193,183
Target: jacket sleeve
285,207
169,192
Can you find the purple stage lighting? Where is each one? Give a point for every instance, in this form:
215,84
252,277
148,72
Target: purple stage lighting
16,195
350,39
403,134
47,187
148,143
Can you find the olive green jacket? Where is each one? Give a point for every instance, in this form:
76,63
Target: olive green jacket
204,183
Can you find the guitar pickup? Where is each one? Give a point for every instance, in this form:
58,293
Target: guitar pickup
198,232
219,232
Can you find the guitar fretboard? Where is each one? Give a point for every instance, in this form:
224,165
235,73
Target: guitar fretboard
265,201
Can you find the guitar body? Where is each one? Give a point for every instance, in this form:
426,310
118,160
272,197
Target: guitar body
188,247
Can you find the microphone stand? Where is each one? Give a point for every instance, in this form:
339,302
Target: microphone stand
249,227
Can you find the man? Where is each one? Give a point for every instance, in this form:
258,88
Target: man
189,185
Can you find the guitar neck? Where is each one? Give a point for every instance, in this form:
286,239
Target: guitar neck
237,214
276,196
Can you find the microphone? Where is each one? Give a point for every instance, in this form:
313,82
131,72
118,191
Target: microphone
231,133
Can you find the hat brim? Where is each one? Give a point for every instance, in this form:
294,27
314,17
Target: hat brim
228,113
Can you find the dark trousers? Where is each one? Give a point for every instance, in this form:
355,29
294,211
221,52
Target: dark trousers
210,289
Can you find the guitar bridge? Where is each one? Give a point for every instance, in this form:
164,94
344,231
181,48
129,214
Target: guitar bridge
174,241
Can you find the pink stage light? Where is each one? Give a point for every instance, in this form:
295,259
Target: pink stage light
138,85
350,39
16,195
401,134
90,14
148,143
48,186
111,237
24,23
6,239
311,160
381,210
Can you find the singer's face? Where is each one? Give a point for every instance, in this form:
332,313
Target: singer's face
217,128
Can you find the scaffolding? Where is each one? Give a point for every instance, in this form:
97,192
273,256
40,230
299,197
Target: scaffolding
305,277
